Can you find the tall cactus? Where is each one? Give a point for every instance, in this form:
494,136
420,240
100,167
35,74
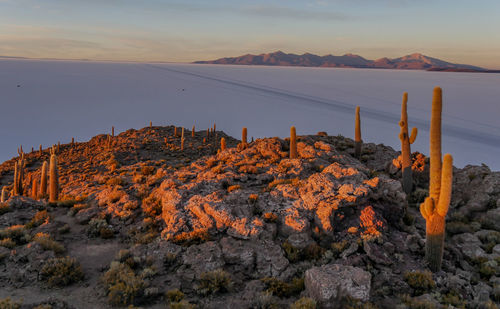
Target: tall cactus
19,175
435,206
3,196
192,132
244,136
406,140
43,180
293,143
222,144
34,189
16,183
357,135
182,139
53,178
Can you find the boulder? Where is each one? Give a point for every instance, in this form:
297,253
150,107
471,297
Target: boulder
324,284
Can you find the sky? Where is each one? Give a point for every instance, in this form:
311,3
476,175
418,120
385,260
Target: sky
460,31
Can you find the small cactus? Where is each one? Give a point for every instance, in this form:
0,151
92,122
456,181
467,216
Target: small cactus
222,144
43,180
53,178
208,133
150,124
40,149
435,207
175,131
293,143
358,142
192,132
406,140
113,131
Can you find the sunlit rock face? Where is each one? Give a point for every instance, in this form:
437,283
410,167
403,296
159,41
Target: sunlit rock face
323,192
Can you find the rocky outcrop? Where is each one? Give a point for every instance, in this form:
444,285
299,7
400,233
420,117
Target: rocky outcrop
328,283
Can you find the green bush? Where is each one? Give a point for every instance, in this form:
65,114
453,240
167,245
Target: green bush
212,282
122,285
421,282
284,289
61,271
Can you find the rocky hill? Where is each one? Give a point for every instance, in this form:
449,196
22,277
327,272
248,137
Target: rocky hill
141,222
414,61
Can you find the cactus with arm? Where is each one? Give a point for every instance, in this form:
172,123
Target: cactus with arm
406,141
435,206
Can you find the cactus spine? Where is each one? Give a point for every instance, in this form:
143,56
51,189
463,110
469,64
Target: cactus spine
43,180
435,206
406,140
293,143
53,178
357,135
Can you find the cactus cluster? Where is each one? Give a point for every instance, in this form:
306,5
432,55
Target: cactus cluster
406,140
435,206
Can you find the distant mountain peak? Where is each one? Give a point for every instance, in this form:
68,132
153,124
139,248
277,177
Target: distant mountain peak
414,61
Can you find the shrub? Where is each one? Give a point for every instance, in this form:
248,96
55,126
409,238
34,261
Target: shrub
61,271
122,285
294,182
169,260
284,289
148,170
270,217
212,282
418,304
96,226
151,206
47,243
7,243
339,247
4,208
7,303
420,282
38,219
17,233
313,252
115,181
253,198
182,305
304,303
233,188
174,296
292,253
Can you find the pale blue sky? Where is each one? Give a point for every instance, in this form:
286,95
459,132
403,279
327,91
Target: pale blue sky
188,30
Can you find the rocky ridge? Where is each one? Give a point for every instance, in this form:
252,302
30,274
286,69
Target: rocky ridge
155,226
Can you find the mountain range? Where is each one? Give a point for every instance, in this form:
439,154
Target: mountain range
414,61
